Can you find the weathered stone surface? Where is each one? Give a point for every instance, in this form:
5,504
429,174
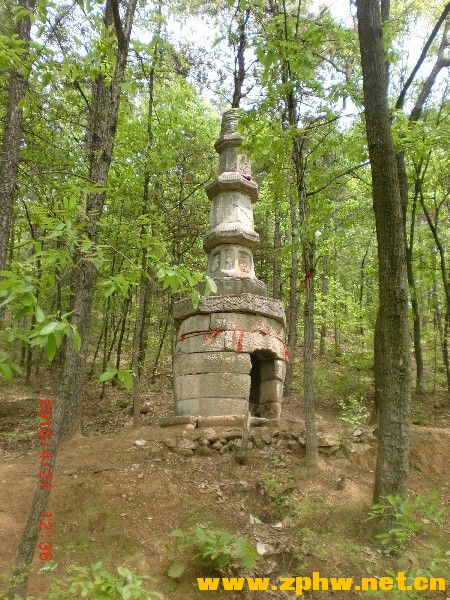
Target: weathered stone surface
177,420
217,420
271,391
231,207
187,407
325,441
235,286
207,342
212,385
194,324
232,161
245,303
230,182
248,323
212,362
273,369
185,447
251,342
230,233
231,260
271,410
222,406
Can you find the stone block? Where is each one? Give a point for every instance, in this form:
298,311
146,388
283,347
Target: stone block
252,342
226,420
223,406
231,260
201,343
211,362
187,407
212,385
273,369
246,322
231,207
236,286
271,410
194,324
178,420
271,391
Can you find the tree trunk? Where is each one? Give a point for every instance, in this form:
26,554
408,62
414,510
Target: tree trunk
12,135
138,350
323,328
105,103
276,264
308,251
445,282
239,66
418,355
122,333
293,306
392,377
101,134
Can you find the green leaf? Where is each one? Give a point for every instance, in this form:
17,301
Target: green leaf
107,375
125,378
124,572
39,314
175,570
51,347
49,328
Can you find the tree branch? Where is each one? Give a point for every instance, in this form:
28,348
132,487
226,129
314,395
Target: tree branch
423,55
347,172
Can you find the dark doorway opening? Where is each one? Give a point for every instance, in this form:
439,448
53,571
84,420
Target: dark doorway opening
260,361
255,386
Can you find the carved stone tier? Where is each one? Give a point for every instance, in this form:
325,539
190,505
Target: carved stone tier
245,303
232,182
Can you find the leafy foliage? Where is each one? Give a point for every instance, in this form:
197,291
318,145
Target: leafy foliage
218,548
409,516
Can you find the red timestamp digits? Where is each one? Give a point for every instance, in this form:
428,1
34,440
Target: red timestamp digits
45,545
46,456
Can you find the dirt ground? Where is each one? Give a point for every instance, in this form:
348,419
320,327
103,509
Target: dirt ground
117,502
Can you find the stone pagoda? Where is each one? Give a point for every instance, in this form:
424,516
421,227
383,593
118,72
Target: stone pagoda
230,350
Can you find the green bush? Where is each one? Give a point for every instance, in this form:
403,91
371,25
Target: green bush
217,548
96,583
353,410
407,517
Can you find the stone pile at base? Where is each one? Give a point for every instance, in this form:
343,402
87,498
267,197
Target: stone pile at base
230,350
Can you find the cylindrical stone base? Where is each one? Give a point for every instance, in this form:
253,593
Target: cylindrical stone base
225,363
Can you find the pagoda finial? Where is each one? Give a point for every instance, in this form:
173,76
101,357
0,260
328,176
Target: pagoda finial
230,120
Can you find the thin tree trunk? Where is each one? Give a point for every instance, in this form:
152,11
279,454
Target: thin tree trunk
361,285
392,377
239,68
308,251
418,355
101,134
12,133
445,283
138,350
122,333
293,306
105,343
324,328
276,264
161,344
